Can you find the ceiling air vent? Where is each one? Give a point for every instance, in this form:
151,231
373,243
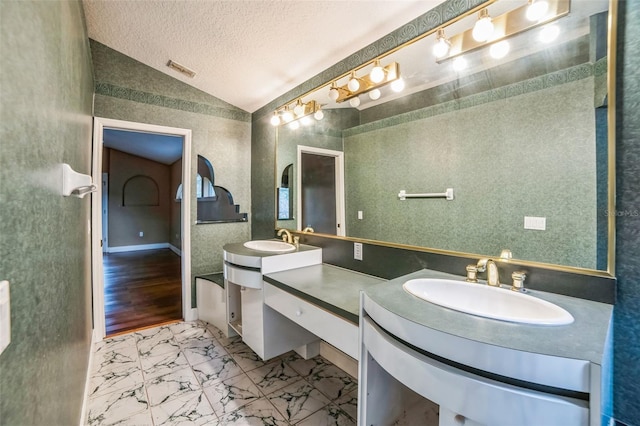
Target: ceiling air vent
181,68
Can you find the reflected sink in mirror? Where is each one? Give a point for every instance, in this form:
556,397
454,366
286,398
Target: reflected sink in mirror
489,302
270,246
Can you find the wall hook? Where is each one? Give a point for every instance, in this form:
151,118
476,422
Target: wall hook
76,184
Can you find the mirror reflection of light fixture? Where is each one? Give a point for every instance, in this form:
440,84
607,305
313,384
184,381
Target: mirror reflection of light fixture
537,9
549,33
398,85
483,29
377,72
354,102
375,94
303,112
390,73
275,120
318,115
441,48
286,115
294,125
459,64
500,49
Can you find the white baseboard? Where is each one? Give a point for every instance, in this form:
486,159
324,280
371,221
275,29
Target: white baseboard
191,314
175,249
138,247
87,383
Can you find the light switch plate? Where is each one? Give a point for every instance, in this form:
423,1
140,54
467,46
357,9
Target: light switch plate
537,223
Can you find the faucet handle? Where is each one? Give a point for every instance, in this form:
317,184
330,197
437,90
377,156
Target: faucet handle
518,281
472,274
296,241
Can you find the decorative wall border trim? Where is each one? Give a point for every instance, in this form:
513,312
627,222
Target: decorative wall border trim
108,89
535,84
426,22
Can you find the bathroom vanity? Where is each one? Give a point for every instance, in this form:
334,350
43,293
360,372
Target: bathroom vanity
425,364
264,330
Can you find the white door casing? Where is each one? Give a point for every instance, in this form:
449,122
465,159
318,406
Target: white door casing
99,124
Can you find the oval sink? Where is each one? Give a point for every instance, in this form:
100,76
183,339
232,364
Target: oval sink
489,302
270,246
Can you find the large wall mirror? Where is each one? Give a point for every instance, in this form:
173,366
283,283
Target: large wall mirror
521,133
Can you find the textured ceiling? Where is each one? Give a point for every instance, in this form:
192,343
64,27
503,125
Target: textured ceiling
245,52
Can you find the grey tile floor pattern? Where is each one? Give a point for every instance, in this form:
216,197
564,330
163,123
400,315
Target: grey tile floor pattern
188,373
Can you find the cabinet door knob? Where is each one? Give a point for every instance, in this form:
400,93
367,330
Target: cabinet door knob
299,312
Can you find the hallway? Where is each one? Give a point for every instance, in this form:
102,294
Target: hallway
141,289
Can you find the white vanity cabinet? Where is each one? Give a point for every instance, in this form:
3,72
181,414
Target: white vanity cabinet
265,331
424,364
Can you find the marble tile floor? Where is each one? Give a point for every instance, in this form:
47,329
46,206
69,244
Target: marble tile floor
188,373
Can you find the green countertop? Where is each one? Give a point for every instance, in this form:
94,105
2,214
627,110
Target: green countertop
330,287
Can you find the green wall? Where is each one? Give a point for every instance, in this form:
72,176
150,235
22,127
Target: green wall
129,90
47,85
547,168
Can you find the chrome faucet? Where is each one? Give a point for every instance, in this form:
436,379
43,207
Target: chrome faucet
491,268
287,238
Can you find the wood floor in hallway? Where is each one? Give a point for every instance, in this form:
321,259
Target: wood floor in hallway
141,289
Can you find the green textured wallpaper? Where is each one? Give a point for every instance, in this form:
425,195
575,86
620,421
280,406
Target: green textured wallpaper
545,169
47,85
222,134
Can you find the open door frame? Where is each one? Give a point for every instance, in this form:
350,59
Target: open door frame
99,124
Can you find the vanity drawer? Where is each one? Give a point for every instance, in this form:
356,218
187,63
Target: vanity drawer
329,327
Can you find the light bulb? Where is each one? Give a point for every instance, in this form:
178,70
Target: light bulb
483,29
294,125
287,116
398,85
275,120
306,120
549,33
459,63
500,49
537,9
375,94
354,102
319,115
441,48
353,83
377,73
299,108
333,92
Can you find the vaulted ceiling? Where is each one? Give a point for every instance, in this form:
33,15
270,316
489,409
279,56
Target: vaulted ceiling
245,52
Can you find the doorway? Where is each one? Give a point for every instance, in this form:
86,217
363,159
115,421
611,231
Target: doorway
320,199
100,126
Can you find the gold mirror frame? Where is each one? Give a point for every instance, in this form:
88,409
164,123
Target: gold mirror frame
611,157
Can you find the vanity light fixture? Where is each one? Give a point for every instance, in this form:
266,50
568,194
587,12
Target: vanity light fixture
333,92
377,72
294,125
537,9
354,102
508,24
441,48
390,72
301,111
354,82
483,28
375,94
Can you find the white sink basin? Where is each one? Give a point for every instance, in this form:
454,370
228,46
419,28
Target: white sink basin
490,302
270,246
